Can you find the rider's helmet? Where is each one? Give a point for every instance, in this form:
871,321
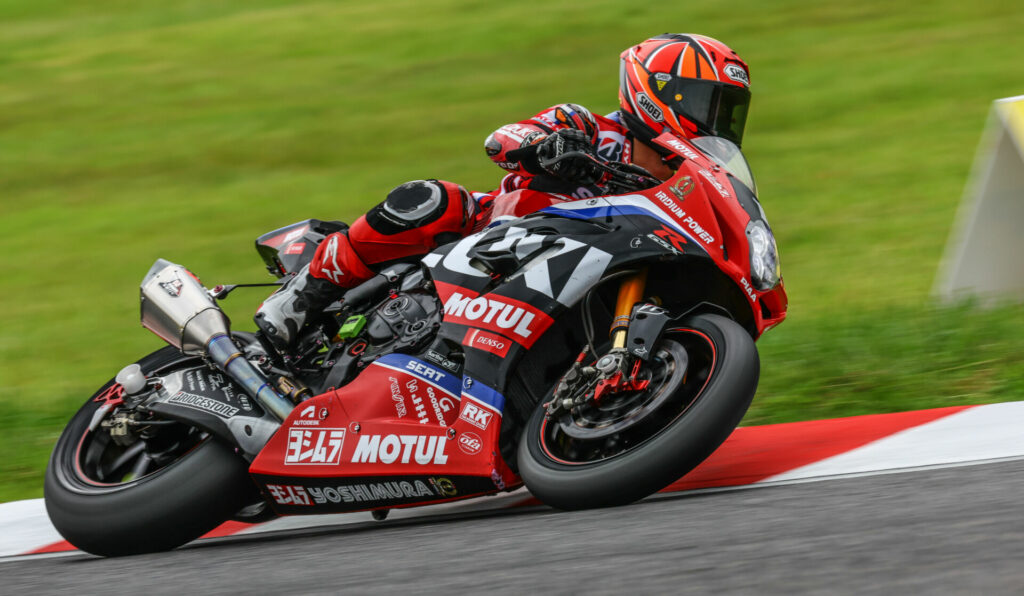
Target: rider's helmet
690,85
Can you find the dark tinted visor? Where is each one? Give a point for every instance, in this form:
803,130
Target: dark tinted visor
718,109
732,113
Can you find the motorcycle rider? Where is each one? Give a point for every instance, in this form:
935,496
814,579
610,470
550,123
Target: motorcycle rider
683,84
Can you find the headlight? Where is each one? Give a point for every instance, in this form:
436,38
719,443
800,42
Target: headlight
764,256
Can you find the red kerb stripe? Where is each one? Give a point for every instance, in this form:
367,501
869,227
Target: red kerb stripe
754,453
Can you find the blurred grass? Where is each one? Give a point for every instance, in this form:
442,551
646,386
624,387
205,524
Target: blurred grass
132,130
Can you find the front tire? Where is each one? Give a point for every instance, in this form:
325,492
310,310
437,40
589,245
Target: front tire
606,458
101,506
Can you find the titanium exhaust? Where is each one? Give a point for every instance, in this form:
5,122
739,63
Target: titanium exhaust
178,309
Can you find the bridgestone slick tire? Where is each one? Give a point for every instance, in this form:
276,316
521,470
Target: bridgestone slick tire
157,512
670,453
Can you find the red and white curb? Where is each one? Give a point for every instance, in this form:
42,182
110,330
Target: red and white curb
753,455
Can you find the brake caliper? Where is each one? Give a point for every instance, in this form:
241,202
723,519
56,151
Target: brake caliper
614,378
576,383
607,376
118,427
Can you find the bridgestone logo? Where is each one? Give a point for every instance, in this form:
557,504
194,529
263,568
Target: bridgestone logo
198,402
648,106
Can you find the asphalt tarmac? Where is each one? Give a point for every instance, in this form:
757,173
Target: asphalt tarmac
942,531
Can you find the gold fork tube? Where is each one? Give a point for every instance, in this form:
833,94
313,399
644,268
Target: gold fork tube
630,292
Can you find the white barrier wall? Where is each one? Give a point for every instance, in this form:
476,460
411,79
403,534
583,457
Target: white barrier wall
985,253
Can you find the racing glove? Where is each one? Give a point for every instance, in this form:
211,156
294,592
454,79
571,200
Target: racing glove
569,155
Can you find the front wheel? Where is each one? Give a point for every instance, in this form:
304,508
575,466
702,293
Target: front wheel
153,489
703,376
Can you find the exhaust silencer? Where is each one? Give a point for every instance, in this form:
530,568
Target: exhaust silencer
179,310
176,307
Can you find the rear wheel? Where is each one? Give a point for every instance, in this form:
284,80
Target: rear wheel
159,487
702,377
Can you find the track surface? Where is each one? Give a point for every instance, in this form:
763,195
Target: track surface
946,531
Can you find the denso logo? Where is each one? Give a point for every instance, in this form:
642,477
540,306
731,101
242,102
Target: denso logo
486,310
494,343
425,370
488,342
476,416
400,448
648,106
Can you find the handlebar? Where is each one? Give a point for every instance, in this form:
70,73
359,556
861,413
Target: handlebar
623,177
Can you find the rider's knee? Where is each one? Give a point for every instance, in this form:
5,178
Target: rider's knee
412,218
444,206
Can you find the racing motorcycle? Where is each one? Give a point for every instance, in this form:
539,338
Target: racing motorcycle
594,350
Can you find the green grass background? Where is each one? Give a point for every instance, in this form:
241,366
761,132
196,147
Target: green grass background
131,130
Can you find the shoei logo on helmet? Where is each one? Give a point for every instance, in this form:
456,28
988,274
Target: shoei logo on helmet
737,73
648,106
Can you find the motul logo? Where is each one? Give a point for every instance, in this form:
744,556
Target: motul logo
492,312
682,149
401,448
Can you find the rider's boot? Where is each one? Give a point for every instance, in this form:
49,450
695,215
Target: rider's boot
414,219
335,268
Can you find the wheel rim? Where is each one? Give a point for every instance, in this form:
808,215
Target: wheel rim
99,463
679,372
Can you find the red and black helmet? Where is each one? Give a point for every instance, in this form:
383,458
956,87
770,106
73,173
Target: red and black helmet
690,85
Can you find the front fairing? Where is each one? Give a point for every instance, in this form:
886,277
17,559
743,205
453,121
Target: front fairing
535,268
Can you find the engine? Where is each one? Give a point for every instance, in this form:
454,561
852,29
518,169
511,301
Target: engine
403,322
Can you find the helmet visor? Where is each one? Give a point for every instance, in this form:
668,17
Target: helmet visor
718,109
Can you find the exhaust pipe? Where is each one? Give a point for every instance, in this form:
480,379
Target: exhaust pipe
176,307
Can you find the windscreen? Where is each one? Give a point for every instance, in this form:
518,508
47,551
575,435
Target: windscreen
726,154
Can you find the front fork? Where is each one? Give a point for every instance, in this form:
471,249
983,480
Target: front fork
615,371
630,292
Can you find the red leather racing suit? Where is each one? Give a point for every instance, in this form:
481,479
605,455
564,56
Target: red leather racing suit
418,216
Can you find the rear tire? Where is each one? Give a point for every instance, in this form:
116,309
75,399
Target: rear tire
708,399
201,488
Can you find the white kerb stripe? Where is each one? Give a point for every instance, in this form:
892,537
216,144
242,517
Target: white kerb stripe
982,433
